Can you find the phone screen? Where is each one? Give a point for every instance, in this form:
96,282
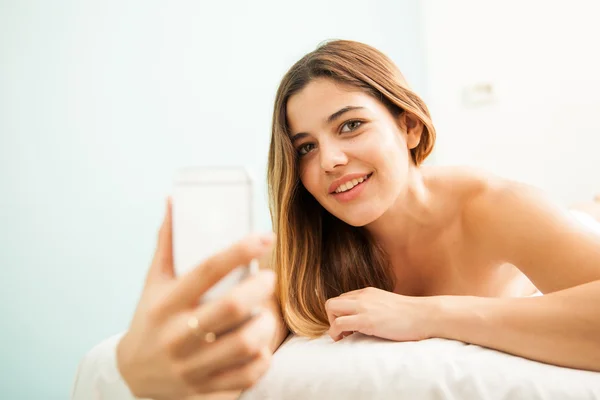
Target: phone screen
212,209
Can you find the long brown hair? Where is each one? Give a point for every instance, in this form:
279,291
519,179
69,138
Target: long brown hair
318,256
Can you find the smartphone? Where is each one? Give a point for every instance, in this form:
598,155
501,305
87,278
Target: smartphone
211,209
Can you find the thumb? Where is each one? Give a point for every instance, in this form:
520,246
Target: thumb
162,263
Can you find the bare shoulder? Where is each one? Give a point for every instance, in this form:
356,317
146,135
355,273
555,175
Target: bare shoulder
519,224
467,184
492,200
495,195
485,200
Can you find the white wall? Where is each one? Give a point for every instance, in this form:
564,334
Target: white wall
99,103
541,59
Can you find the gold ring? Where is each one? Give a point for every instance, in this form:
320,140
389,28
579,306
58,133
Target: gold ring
194,325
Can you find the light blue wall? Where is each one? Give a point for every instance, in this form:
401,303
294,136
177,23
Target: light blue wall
99,102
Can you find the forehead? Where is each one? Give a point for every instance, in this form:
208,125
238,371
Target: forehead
310,107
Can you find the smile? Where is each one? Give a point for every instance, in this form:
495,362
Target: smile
344,187
351,189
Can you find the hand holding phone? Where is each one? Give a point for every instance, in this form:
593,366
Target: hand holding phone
163,356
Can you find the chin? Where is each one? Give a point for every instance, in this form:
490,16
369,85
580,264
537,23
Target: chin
360,218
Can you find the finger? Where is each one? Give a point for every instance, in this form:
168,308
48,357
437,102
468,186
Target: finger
243,377
344,326
233,349
197,281
242,302
339,306
220,316
162,263
330,316
344,335
352,293
336,307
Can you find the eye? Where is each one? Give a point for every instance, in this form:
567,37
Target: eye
305,149
351,125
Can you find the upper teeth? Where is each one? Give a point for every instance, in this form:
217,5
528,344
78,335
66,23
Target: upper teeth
350,184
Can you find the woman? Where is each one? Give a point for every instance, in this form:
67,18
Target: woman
369,240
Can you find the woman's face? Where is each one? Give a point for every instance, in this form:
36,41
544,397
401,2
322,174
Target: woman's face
353,153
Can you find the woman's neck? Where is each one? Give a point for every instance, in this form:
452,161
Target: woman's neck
407,219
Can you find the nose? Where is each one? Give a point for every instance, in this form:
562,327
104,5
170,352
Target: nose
332,156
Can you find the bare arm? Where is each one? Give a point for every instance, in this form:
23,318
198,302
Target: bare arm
561,328
559,256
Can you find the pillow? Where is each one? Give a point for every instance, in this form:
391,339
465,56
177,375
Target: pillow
364,367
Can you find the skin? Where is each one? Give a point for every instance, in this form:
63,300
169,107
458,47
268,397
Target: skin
159,357
467,248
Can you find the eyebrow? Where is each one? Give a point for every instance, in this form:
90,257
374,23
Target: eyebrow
330,119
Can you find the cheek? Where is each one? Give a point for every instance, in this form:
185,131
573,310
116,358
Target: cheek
309,176
384,151
388,155
393,147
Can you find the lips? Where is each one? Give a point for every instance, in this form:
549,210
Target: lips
347,182
352,194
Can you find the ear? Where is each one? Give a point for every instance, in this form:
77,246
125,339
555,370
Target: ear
412,127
